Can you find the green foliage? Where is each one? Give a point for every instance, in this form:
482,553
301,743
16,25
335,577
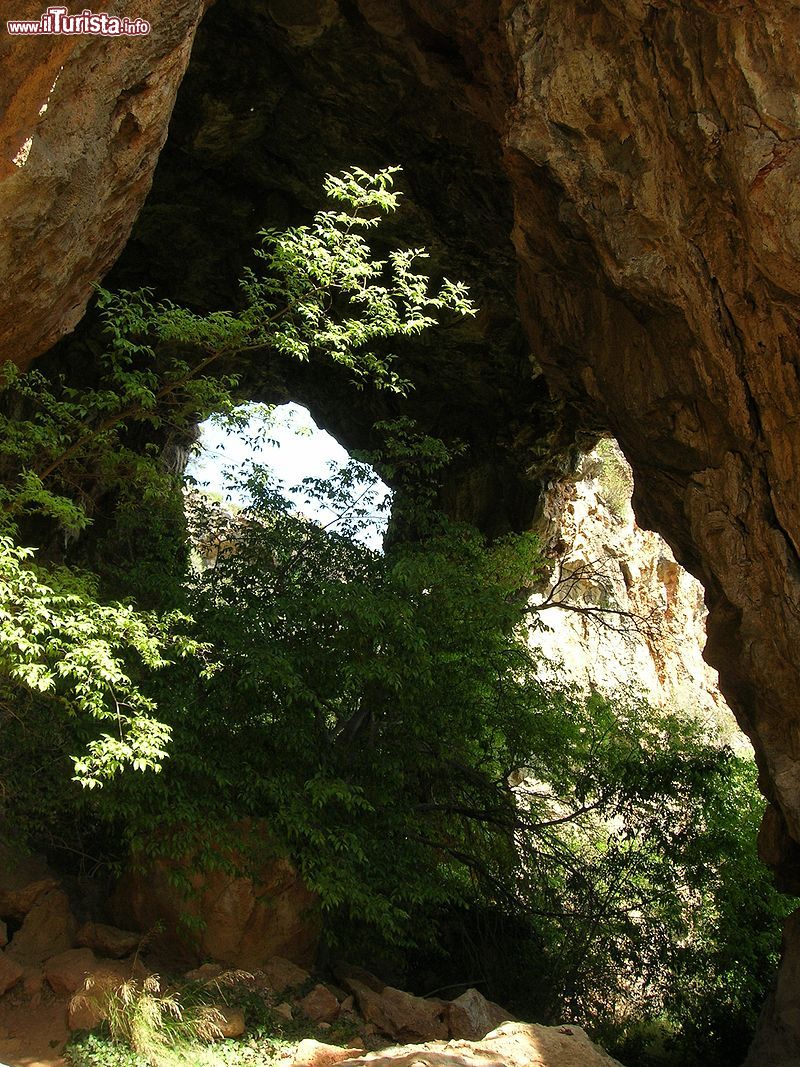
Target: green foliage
98,1050
385,715
331,658
57,641
373,299
153,1021
63,448
320,293
149,1024
71,455
614,475
729,961
269,1038
382,713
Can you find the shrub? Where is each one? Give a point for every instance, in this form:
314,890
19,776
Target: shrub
159,1024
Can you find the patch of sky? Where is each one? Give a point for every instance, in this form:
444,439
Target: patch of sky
287,441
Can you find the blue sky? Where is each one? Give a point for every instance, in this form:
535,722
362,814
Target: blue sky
297,449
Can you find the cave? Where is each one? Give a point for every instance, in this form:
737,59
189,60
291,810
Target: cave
613,178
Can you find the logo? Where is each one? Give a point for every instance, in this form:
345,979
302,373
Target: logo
57,21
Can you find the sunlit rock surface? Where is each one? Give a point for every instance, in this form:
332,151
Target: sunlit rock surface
616,609
512,1045
82,121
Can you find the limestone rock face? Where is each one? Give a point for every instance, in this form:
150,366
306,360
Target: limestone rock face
67,971
472,1016
404,1017
107,940
47,930
654,156
616,609
645,157
230,1021
10,973
320,1005
311,1053
512,1045
777,1043
83,121
401,1015
23,878
281,974
648,155
642,157
653,167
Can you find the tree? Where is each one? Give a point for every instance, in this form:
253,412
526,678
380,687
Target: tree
438,784
67,454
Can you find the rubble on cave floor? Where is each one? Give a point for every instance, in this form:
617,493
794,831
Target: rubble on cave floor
56,977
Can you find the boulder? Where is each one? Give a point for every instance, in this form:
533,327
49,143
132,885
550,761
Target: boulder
235,920
230,1022
284,1010
48,929
22,880
103,148
32,982
10,973
320,1005
107,940
3,934
280,974
345,972
66,972
512,1045
206,972
400,1015
316,1054
472,1016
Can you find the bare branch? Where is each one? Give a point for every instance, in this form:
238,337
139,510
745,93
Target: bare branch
565,593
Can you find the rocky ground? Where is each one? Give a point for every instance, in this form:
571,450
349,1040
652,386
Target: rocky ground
55,974
387,1025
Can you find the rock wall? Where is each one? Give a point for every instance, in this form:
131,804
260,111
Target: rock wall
629,615
83,121
655,155
662,299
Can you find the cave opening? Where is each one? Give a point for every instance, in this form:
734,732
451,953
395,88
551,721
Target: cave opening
304,463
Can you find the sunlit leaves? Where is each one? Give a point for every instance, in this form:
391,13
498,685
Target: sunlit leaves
56,639
320,293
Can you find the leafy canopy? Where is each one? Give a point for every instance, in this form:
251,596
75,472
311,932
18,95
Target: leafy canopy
454,802
68,453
